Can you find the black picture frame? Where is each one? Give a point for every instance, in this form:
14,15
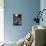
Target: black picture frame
17,20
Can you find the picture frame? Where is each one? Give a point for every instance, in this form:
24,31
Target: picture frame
17,19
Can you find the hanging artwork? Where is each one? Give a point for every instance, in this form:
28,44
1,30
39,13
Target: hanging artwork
17,19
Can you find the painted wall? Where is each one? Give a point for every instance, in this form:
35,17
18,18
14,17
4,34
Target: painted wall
25,7
43,6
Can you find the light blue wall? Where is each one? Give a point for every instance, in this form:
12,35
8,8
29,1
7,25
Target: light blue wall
25,7
43,6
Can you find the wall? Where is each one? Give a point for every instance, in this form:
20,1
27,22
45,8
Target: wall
27,8
43,6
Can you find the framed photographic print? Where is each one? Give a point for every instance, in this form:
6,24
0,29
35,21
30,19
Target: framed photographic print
17,19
